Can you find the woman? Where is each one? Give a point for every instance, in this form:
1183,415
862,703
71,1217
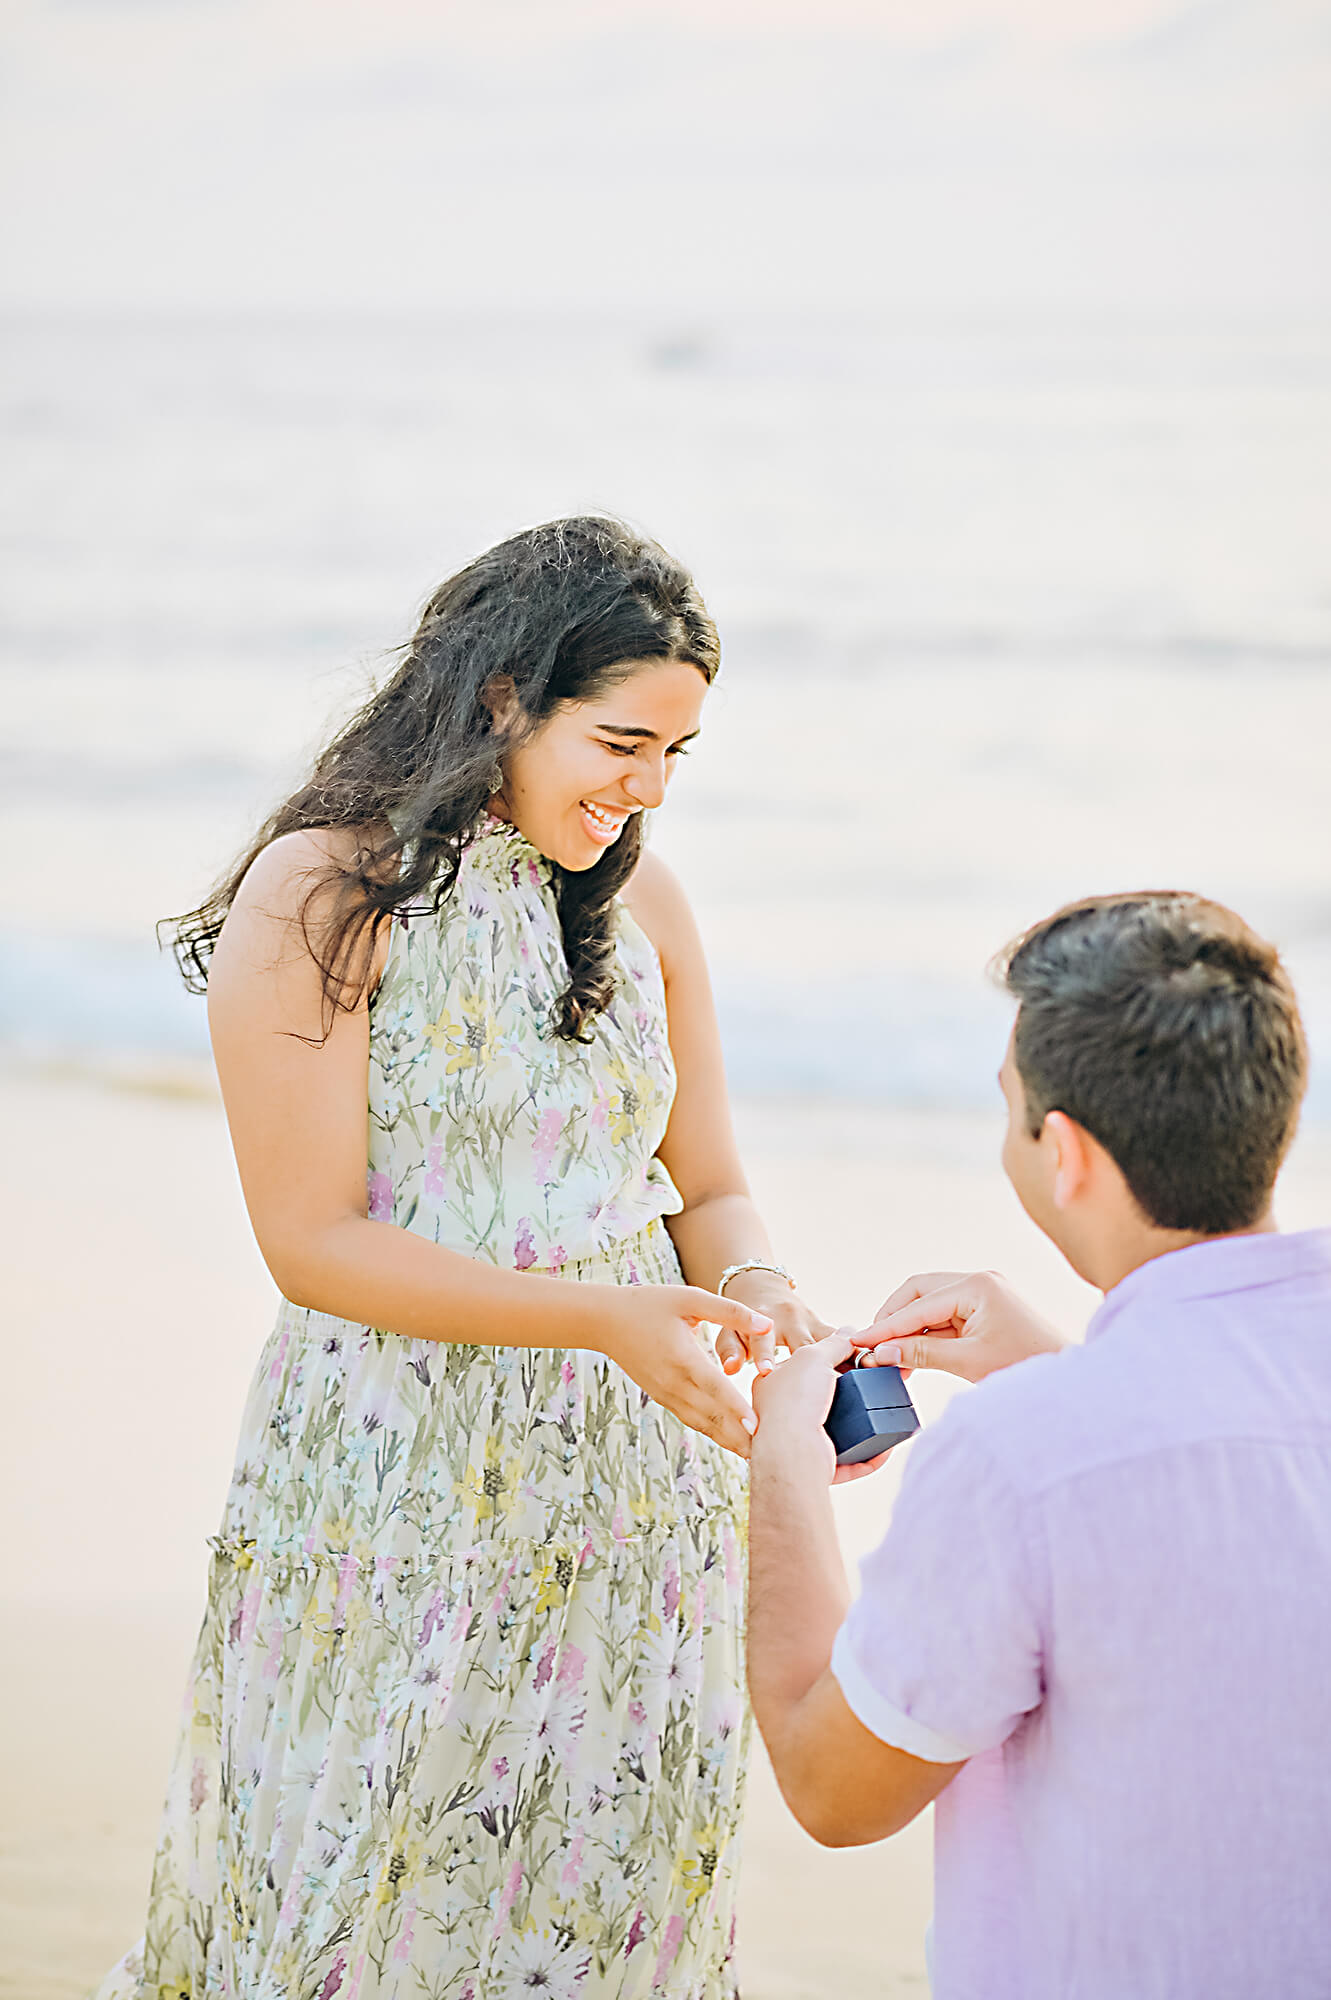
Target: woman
466,1717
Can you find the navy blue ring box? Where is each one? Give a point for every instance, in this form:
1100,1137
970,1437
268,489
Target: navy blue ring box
871,1410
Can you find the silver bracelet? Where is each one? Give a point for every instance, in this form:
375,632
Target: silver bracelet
753,1264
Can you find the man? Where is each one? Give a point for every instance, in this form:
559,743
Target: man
1098,1629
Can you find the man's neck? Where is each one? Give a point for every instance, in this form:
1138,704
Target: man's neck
1140,1246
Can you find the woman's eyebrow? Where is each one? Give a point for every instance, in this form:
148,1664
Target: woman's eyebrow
644,735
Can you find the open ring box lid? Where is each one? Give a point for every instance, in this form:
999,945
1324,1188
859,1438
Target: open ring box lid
871,1411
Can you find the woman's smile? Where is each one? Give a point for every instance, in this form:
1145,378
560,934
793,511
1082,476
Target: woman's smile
603,824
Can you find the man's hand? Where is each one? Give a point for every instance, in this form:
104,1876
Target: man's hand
793,1401
968,1324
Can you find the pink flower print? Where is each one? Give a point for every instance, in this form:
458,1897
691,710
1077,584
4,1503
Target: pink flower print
571,1875
558,1257
500,1597
274,1373
346,1576
334,1979
402,1949
547,1664
571,1665
381,1197
198,1785
524,1246
638,1714
670,1594
566,1373
600,1112
291,1901
670,1943
546,1142
247,1617
533,875
436,1181
434,1618
730,1550
507,1898
637,1930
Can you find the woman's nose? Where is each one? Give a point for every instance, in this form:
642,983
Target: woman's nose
647,783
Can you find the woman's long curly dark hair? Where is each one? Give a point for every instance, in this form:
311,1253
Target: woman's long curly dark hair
556,612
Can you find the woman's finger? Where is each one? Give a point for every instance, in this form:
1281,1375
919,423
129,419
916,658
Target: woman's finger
730,1350
718,1410
802,1333
702,1306
762,1351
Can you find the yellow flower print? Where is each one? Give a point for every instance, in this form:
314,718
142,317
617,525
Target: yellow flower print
472,1042
329,1621
403,1867
632,1100
557,1568
495,1488
698,1868
239,1903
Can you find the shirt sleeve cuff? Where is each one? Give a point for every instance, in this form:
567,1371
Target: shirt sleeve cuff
884,1719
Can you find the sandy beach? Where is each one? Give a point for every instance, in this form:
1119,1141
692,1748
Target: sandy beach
138,1304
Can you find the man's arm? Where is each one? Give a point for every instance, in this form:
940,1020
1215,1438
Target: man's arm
843,1784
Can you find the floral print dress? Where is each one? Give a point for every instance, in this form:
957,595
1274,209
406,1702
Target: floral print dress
465,1720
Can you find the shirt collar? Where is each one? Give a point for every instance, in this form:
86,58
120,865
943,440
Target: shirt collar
1209,1270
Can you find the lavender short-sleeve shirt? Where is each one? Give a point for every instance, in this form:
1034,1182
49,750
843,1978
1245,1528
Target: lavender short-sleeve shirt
1107,1584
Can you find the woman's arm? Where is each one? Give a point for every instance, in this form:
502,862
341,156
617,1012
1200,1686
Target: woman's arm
719,1224
296,1103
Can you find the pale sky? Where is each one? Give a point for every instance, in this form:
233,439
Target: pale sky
989,155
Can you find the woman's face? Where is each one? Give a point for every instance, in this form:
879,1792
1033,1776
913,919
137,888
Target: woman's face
571,788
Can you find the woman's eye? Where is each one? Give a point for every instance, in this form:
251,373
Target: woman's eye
620,749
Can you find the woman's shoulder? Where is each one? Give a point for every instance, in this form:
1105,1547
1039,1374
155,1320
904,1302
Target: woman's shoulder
655,898
288,863
289,889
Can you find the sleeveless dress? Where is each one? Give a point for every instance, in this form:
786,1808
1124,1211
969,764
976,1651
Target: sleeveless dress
465,1720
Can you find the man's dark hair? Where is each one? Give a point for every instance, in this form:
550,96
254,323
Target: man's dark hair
1170,1032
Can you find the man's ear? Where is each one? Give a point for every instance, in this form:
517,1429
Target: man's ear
1072,1157
500,697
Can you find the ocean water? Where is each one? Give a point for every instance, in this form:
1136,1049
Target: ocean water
1012,611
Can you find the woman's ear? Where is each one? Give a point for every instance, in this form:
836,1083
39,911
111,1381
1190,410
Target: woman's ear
500,697
1072,1158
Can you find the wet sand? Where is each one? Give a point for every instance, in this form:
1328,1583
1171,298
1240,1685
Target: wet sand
137,1305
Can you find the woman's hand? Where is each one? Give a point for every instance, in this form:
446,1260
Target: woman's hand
650,1331
794,1324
